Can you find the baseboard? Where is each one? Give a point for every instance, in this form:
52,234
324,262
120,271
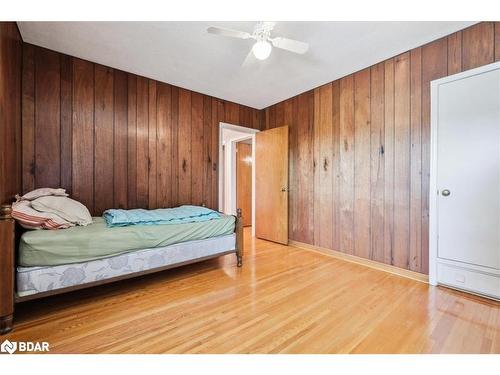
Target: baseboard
365,262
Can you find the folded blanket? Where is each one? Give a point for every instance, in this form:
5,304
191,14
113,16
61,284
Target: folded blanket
176,215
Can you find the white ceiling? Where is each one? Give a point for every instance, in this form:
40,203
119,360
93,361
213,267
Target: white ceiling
183,54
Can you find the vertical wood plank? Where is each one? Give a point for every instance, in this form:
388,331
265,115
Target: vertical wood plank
83,132
402,160
164,183
142,142
305,169
132,141
347,164
257,119
66,120
288,120
377,163
454,53
47,119
197,159
103,139
207,151
362,189
389,157
232,113
28,115
324,166
175,146
336,243
280,114
316,165
184,134
152,144
245,116
120,127
11,168
214,152
272,117
478,46
434,66
416,160
497,41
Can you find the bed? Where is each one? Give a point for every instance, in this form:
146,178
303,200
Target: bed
39,263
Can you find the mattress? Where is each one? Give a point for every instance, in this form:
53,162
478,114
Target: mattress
32,280
96,241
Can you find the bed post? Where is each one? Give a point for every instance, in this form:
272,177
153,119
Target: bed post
7,253
239,237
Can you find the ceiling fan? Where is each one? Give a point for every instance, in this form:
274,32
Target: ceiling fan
264,42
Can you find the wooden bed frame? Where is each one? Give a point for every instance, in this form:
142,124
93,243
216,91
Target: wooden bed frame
9,235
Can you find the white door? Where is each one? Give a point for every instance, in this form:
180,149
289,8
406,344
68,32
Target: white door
468,170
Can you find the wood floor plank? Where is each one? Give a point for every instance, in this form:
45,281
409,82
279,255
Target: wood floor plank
283,300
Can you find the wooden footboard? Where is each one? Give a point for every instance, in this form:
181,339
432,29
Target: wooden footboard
7,255
239,237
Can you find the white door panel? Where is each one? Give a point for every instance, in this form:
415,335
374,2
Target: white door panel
468,165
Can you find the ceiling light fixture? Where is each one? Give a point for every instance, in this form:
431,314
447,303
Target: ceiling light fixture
262,49
264,42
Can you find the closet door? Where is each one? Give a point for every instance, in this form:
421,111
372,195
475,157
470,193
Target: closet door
468,170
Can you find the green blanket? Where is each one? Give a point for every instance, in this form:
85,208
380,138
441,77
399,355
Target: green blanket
95,241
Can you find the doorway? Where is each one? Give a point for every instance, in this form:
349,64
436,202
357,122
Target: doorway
237,171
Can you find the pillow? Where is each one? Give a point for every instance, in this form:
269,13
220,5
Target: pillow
42,192
67,208
31,219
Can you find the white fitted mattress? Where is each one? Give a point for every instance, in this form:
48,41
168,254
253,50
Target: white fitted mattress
32,280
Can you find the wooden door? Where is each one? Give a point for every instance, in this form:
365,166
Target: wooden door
271,185
244,181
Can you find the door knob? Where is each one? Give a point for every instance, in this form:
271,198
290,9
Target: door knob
445,193
284,189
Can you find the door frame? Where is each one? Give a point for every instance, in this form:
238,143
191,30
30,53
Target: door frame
249,133
433,183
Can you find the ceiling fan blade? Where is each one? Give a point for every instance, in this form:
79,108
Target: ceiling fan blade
290,45
249,60
229,32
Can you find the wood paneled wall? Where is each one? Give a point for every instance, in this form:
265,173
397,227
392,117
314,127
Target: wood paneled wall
10,110
114,139
359,151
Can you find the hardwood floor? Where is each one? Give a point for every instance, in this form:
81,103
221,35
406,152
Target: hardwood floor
283,300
